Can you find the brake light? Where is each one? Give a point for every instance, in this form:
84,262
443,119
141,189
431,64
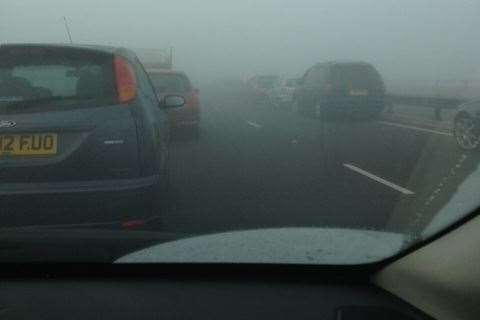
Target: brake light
125,80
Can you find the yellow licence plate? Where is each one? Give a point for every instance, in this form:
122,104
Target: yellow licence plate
354,92
28,144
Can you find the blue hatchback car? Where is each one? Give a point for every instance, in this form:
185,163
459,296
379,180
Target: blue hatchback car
80,119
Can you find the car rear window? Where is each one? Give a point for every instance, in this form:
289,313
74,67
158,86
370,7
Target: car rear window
356,75
35,73
164,82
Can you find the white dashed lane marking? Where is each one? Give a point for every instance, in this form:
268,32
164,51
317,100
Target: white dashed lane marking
378,179
404,126
253,124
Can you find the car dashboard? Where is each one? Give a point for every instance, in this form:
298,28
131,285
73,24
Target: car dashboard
195,292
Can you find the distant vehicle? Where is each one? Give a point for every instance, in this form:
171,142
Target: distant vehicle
340,88
282,93
171,82
80,119
466,125
262,85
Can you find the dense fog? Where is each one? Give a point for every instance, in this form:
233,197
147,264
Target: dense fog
414,44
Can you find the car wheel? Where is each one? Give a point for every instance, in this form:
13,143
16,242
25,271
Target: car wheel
464,131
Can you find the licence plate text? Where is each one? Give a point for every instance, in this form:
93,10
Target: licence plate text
28,144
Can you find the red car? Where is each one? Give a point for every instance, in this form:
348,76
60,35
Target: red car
171,82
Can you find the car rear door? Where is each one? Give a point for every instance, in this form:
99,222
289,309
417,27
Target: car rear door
154,133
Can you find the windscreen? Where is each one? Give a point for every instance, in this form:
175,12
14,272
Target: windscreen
356,75
37,73
170,82
241,131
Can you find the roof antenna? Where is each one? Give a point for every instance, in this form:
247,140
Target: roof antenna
67,29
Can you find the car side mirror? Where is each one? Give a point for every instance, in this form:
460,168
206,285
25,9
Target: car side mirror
172,101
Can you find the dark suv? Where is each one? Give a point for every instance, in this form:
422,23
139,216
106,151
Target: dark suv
79,119
340,88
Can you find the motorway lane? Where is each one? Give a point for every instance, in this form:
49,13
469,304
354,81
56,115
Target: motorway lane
256,166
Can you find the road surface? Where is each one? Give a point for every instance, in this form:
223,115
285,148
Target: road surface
257,166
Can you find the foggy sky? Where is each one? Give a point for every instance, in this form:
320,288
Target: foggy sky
407,40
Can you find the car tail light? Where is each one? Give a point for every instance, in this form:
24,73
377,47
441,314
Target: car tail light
125,80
